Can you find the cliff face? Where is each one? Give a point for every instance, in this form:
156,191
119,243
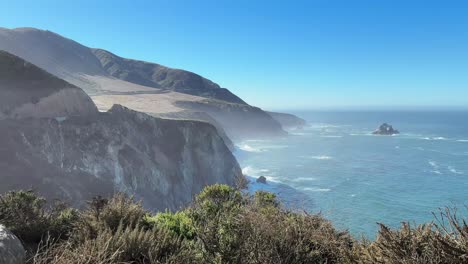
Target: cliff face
28,91
53,139
162,162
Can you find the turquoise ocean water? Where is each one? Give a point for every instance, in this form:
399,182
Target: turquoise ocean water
335,166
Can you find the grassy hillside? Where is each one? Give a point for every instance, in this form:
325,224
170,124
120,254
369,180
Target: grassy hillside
221,226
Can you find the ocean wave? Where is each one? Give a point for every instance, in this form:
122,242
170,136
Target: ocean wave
435,167
302,179
254,172
323,157
433,164
462,140
331,136
454,171
314,189
434,138
249,148
298,133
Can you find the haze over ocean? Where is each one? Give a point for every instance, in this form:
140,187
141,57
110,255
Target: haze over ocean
357,179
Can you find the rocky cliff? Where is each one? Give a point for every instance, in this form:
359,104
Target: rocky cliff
53,139
163,162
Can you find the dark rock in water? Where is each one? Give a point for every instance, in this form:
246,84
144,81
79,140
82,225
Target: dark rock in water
385,129
262,179
11,249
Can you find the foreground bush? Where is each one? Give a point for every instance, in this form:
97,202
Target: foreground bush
445,241
221,226
31,220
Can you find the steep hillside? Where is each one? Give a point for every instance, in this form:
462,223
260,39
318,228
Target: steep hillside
158,76
28,91
142,86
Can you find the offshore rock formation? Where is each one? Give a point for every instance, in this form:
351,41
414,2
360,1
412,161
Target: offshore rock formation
11,249
385,129
142,86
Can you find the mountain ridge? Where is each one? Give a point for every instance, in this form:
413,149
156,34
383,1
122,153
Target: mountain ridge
106,78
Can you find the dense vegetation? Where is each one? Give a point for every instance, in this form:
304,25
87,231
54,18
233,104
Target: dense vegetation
221,226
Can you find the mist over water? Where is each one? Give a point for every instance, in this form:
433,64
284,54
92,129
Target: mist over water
334,165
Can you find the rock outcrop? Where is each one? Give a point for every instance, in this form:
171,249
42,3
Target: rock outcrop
11,249
385,129
262,179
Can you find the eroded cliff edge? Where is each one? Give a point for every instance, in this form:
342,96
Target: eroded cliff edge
162,162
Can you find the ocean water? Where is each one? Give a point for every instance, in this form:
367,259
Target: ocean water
335,166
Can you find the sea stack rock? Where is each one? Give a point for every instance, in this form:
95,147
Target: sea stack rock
262,179
385,129
11,249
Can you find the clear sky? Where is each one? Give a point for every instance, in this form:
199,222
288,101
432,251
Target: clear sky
282,54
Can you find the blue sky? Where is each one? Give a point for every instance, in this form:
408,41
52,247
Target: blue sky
282,54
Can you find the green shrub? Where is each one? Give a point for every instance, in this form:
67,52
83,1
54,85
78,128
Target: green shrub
221,226
179,223
265,199
103,214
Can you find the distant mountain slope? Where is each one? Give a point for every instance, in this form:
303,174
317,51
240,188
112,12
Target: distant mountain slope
141,86
28,91
158,76
288,120
73,62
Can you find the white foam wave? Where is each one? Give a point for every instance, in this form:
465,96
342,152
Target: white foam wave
313,189
434,138
462,140
297,133
323,157
433,164
302,179
249,148
435,167
331,136
454,171
254,172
